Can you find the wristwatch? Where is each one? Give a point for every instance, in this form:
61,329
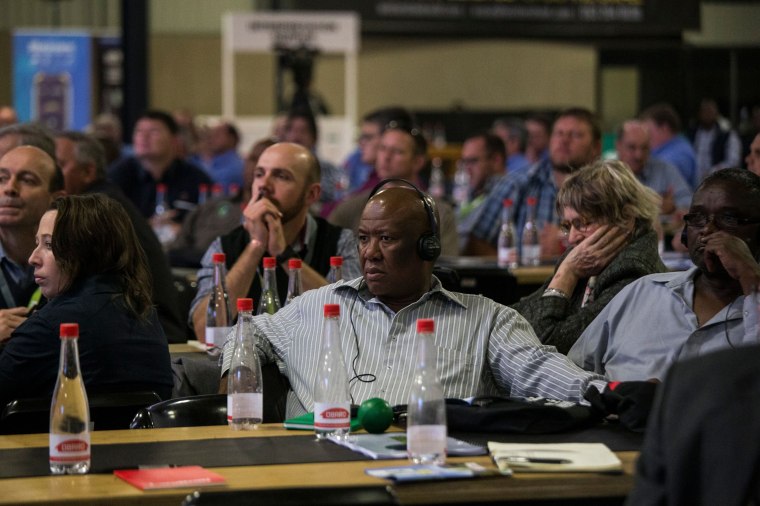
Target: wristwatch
286,255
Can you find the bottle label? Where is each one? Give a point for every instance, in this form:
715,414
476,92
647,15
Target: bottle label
246,405
69,448
507,256
332,416
426,439
215,336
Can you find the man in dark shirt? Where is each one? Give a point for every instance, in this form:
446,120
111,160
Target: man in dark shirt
155,161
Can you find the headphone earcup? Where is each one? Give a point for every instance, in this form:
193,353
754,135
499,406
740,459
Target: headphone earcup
684,237
428,247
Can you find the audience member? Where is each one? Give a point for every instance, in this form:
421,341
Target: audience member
483,156
83,163
608,217
277,223
701,444
8,116
191,141
512,131
107,129
484,348
301,128
215,217
575,141
89,265
539,128
632,147
663,318
155,161
666,142
29,181
26,134
225,166
402,154
717,147
753,158
360,165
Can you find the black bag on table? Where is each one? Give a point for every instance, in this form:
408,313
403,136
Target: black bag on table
517,416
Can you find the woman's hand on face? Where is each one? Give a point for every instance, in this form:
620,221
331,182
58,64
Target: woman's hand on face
596,251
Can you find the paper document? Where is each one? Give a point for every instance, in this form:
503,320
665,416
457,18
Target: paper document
559,457
392,445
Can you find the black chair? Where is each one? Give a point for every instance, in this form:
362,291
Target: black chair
198,410
313,496
108,411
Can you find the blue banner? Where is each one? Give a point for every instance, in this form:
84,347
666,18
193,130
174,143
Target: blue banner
52,74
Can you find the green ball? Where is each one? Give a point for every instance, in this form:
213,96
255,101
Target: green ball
375,415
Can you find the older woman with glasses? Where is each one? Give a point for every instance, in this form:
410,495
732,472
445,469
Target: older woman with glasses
608,217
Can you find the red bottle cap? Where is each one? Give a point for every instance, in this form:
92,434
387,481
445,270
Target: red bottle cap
425,325
336,261
217,189
245,304
332,310
531,201
294,263
69,330
218,258
203,187
506,202
270,262
161,187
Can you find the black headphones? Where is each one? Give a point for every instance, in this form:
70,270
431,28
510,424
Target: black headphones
429,244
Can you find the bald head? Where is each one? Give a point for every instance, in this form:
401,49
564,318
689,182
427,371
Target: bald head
298,158
31,158
404,204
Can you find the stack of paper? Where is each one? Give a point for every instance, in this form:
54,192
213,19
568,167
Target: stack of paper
560,457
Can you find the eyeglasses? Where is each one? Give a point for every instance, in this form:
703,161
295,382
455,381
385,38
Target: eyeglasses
578,224
721,220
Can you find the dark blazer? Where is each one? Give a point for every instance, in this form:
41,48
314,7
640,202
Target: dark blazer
116,350
702,444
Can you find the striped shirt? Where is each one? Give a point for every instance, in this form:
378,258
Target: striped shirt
483,348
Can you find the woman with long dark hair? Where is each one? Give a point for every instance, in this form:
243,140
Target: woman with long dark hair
91,269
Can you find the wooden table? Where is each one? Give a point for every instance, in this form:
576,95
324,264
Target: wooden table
107,489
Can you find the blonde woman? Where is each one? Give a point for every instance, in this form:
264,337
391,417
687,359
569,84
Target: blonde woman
608,217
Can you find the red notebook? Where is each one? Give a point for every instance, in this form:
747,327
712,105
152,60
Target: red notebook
170,477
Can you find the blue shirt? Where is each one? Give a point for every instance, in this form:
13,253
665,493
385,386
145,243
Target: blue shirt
226,168
662,176
358,172
650,324
517,164
680,153
486,227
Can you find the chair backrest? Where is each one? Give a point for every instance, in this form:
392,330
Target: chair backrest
108,411
211,409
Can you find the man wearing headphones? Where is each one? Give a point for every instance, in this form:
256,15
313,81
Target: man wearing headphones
483,348
664,318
